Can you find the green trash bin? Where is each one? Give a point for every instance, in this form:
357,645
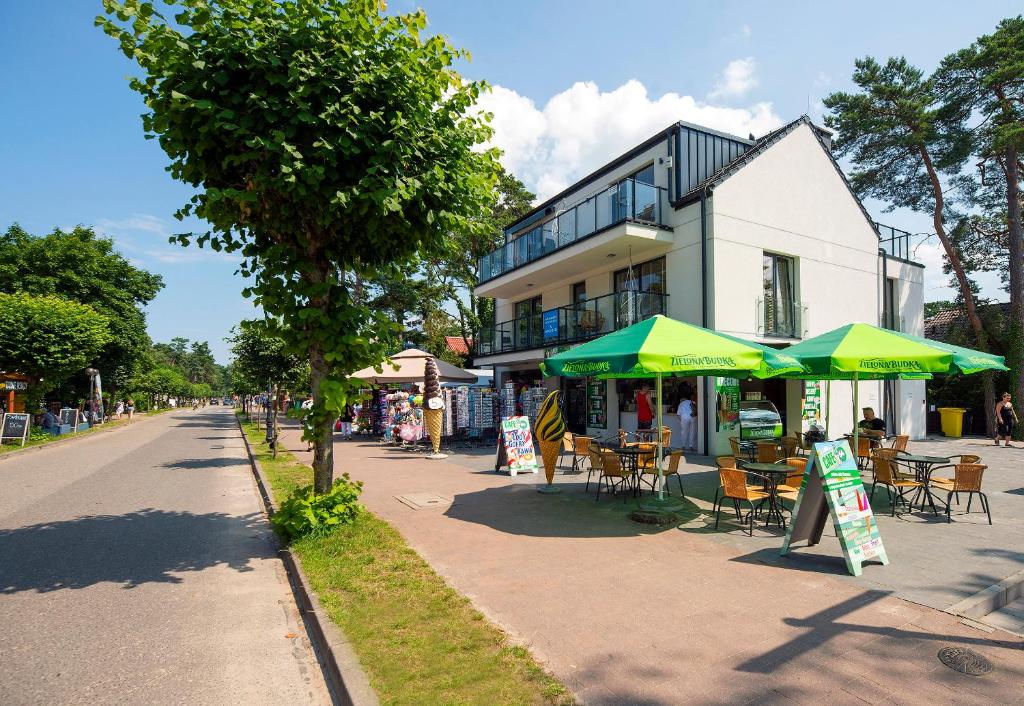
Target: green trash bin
952,421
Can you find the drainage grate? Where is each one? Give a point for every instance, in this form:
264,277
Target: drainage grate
965,661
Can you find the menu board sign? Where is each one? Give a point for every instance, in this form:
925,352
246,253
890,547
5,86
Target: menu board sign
69,417
727,403
517,443
14,426
832,486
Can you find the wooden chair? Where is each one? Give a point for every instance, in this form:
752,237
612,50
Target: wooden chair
580,451
596,465
734,487
863,451
899,442
966,479
673,470
767,452
791,446
613,475
896,488
790,488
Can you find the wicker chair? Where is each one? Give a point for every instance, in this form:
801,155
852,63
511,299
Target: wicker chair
899,442
734,443
623,435
863,451
580,451
966,479
767,452
727,462
673,470
895,487
791,446
790,488
734,487
613,474
596,465
567,438
645,460
666,437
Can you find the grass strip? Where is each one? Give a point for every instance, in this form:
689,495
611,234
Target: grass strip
418,640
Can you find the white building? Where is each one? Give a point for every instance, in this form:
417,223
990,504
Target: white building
761,239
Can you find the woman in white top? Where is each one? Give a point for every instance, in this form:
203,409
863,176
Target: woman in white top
687,424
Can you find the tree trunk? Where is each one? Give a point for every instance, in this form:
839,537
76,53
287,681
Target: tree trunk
323,439
957,265
1015,327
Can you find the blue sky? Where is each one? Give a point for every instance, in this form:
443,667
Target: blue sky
575,84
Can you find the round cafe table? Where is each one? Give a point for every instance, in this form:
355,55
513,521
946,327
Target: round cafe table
922,474
773,473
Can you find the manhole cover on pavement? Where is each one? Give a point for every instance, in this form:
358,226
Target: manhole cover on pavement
965,661
419,501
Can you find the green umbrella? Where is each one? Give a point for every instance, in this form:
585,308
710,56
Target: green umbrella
864,352
661,346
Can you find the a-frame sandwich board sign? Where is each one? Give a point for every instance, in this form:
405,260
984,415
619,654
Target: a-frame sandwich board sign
832,485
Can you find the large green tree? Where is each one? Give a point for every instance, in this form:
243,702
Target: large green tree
323,137
48,338
81,266
984,83
906,145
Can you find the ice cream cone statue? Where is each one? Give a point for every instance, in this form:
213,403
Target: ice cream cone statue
433,406
550,430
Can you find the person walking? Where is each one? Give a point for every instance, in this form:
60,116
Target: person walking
130,408
118,409
687,412
1006,418
346,422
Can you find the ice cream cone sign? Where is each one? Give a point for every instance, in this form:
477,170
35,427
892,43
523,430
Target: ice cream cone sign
433,406
550,430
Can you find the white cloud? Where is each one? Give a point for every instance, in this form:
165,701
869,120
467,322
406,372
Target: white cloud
736,80
145,240
583,127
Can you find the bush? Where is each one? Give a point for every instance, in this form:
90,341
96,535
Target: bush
306,513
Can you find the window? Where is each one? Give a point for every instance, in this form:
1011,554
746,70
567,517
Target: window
579,292
529,326
646,277
779,304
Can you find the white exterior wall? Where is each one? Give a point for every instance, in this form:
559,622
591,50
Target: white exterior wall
790,200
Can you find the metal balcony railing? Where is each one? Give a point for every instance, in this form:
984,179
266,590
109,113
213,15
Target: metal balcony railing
627,200
895,242
573,323
780,318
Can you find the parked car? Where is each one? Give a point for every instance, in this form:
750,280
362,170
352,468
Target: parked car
759,420
228,401
214,401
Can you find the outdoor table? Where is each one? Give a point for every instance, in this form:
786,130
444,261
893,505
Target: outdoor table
750,448
629,457
923,473
773,473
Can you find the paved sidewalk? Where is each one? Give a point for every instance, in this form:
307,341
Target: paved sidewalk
625,613
137,568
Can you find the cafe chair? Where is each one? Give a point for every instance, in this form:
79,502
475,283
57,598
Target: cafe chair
646,458
734,443
896,488
791,446
623,435
789,489
734,487
966,479
666,437
596,465
580,451
672,470
899,442
863,451
767,452
612,474
566,446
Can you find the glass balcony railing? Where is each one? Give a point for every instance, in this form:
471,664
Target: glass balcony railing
573,323
895,242
628,200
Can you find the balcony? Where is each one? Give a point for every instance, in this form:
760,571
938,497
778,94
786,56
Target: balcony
625,202
572,324
894,242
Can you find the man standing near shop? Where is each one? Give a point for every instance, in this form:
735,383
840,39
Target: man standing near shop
687,412
644,407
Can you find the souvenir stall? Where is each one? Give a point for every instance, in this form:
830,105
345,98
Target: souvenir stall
403,421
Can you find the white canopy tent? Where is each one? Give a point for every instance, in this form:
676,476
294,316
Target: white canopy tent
411,365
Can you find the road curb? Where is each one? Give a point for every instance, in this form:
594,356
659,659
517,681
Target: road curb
991,599
348,682
74,437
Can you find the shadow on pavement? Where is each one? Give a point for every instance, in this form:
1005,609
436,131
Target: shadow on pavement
200,463
132,549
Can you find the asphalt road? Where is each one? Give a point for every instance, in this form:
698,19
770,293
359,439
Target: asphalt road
136,567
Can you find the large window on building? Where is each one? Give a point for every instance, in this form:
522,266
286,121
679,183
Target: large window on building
890,306
639,292
529,326
646,277
778,298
